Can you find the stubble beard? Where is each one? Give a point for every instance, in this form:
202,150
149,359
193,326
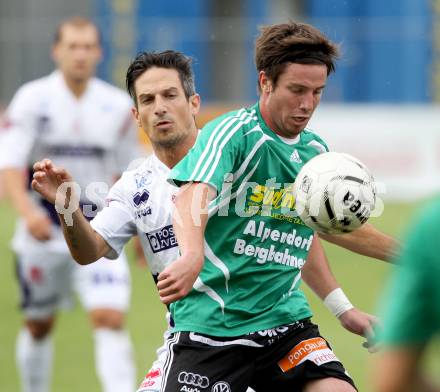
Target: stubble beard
170,142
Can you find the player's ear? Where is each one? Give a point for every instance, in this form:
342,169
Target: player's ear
136,115
264,81
195,101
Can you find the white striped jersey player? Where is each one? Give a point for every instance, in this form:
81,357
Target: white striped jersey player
94,137
141,202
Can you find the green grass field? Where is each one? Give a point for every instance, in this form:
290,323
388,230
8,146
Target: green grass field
361,278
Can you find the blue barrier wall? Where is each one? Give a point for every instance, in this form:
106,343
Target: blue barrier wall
386,45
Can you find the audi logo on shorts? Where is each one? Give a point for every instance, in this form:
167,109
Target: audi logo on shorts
193,379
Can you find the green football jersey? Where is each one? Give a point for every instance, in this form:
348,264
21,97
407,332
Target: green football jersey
255,244
411,310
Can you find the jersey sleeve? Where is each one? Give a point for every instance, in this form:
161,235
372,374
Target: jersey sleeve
18,131
115,222
216,153
409,308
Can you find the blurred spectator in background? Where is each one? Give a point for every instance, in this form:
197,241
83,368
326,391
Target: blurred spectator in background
412,308
85,125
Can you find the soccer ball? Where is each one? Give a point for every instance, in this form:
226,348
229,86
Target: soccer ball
335,193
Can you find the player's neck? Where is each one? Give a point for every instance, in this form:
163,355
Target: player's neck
171,156
77,87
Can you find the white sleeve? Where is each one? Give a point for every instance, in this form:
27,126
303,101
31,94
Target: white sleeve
18,132
115,222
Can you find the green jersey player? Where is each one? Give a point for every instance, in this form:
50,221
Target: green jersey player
253,235
242,245
412,307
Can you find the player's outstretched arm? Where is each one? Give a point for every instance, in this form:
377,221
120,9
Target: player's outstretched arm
367,241
317,274
54,184
189,222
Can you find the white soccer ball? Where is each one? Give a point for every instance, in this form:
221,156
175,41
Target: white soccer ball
335,193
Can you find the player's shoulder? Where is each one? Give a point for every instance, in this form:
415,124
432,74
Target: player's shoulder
236,121
143,175
108,91
36,84
33,89
312,139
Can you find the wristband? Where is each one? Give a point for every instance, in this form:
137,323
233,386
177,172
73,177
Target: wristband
337,302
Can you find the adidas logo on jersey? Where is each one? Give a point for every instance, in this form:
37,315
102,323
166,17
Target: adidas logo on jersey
294,157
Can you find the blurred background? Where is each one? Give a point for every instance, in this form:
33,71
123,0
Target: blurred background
382,105
387,80
389,49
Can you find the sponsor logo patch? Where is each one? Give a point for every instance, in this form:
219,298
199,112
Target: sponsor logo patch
143,179
36,275
143,212
186,388
315,350
221,386
294,157
193,379
162,239
151,378
141,197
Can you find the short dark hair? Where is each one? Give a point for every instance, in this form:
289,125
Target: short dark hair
168,59
77,22
292,42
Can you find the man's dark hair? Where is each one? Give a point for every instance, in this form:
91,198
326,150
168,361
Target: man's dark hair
168,59
78,22
281,44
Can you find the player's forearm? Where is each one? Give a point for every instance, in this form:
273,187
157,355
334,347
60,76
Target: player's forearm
316,273
85,245
190,219
367,241
14,183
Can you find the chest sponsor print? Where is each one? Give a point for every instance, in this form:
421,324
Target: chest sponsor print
162,239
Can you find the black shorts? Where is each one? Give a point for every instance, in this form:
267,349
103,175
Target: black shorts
279,359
